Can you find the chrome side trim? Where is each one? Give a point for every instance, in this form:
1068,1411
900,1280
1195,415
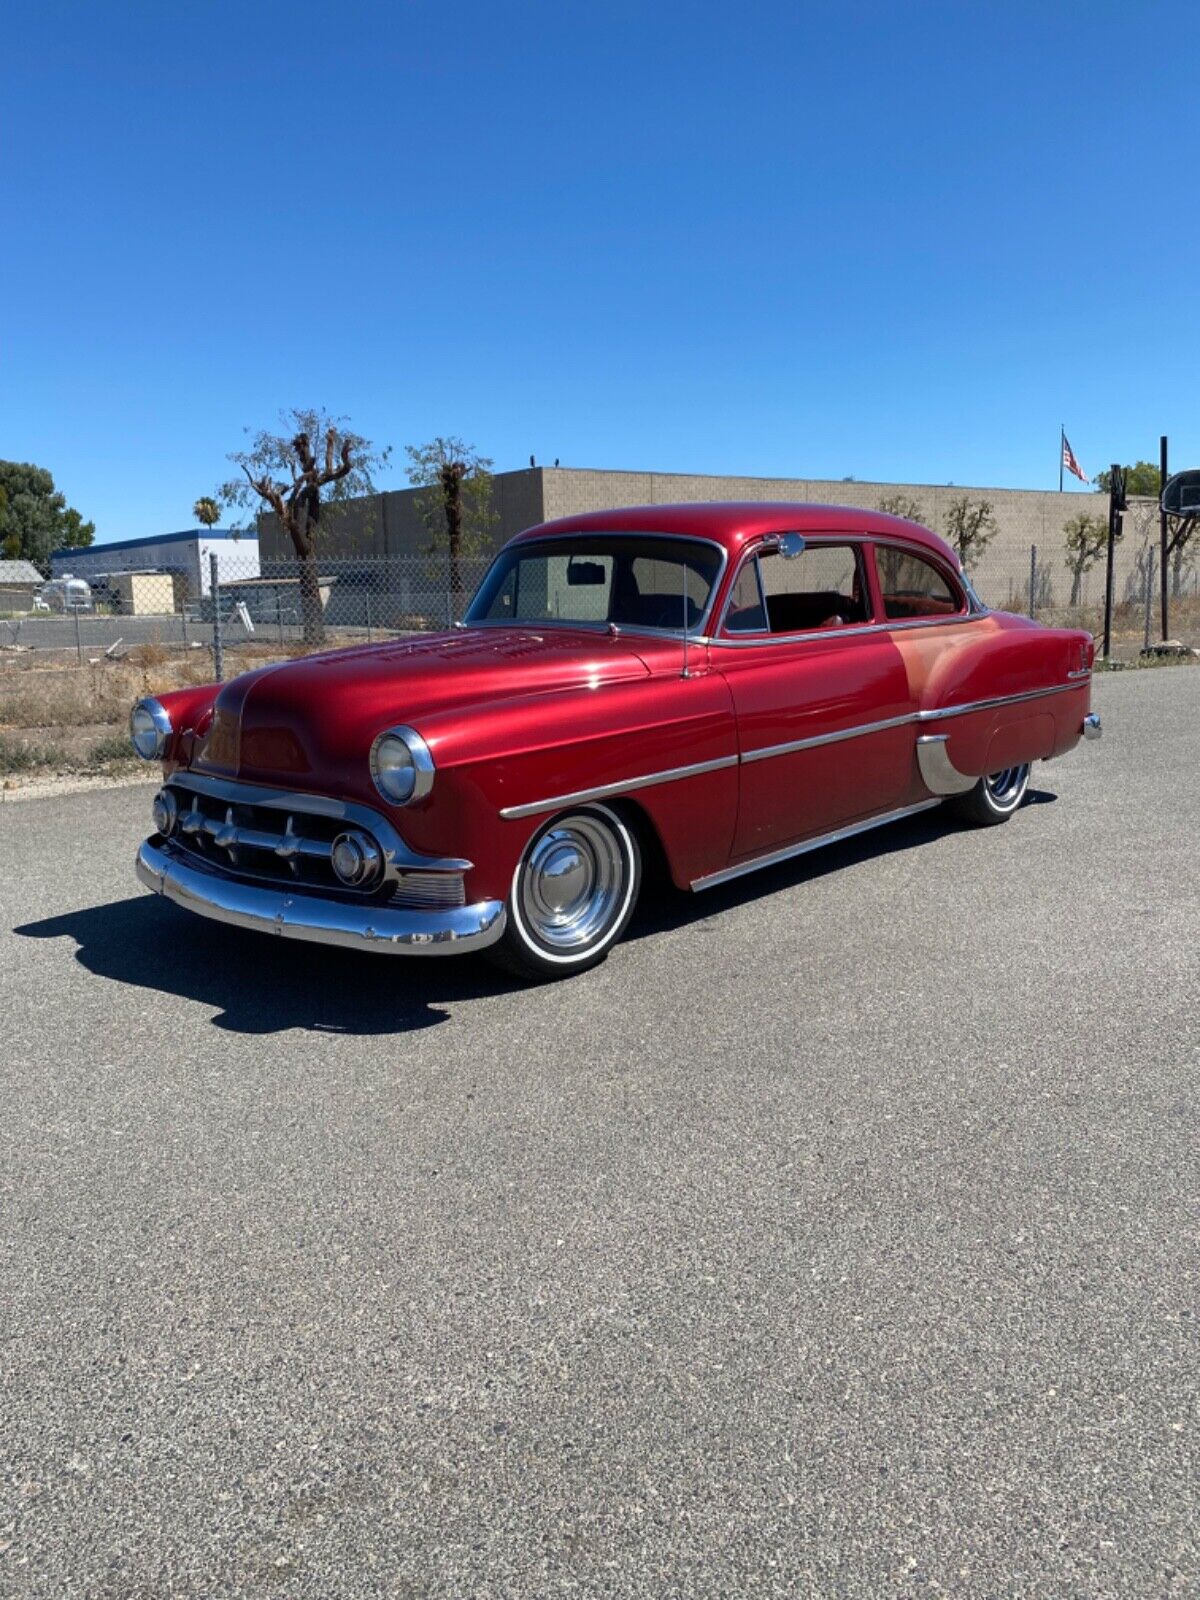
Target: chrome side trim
450,930
765,751
397,855
899,722
628,785
580,797
938,772
712,879
759,639
995,700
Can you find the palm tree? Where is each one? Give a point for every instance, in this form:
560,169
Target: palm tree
207,511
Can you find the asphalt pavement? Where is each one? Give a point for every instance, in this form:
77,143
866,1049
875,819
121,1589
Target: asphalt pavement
837,1237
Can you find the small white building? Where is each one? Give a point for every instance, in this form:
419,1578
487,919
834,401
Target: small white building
188,554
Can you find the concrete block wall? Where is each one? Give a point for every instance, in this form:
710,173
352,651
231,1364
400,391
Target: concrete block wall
388,524
1025,517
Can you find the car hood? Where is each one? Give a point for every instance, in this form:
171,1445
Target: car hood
318,716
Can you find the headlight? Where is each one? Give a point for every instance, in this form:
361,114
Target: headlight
401,766
149,729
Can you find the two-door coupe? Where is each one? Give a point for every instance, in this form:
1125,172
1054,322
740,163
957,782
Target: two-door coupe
723,686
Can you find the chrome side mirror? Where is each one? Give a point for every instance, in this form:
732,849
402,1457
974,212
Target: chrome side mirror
791,545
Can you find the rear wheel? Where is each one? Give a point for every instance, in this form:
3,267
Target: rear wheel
573,894
994,798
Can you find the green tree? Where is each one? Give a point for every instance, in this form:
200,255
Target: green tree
1086,539
456,506
206,511
314,462
970,527
1142,478
902,505
36,517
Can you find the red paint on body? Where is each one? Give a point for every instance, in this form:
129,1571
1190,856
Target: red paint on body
516,715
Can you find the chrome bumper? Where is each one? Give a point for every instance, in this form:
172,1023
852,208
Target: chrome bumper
450,930
1091,725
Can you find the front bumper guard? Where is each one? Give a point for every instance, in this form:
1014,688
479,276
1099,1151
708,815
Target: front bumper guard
394,930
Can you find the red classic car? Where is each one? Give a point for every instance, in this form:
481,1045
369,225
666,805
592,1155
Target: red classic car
725,686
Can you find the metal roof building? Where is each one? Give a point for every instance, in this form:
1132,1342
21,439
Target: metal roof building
14,574
187,552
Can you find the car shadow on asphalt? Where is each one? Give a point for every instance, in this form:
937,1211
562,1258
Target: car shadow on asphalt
259,985
668,908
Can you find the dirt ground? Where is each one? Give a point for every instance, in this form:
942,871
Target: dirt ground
62,723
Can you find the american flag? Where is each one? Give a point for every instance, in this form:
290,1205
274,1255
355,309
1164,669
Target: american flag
1070,462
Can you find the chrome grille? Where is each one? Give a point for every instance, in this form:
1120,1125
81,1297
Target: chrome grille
286,837
256,840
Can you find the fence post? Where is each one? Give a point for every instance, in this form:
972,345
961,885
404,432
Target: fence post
183,605
1032,579
449,590
1149,594
367,598
218,643
78,640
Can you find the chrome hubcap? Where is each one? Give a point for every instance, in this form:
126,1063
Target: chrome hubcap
1006,788
571,884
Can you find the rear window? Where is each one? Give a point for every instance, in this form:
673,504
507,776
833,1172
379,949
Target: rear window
912,586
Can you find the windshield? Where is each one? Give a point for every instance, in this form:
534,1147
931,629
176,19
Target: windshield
633,580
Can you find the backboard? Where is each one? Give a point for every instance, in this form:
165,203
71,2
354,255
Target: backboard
1181,494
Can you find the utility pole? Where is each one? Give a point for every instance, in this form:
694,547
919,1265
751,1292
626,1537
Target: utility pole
1163,534
1116,505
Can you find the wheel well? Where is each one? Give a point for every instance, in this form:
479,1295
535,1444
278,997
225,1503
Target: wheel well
656,869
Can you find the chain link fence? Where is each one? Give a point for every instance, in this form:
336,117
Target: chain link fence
248,611
242,610
1045,587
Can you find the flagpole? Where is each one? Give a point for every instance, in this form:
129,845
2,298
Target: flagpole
1062,450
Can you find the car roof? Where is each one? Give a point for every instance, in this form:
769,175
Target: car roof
734,523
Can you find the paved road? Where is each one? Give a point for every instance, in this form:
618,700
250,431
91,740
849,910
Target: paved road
834,1239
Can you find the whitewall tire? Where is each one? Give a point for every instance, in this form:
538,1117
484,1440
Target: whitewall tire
994,798
572,894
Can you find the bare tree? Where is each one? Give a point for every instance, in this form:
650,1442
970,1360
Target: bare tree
902,505
1086,539
1181,555
457,507
315,461
970,527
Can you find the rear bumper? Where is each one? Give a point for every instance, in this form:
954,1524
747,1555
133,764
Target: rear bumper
450,930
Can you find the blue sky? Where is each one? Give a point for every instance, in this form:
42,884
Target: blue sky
897,242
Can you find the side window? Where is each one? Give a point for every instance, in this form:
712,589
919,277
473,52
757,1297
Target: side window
746,613
912,586
820,588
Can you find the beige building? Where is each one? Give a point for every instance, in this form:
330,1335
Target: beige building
388,524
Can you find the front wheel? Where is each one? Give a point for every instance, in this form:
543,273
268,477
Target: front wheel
994,798
573,893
